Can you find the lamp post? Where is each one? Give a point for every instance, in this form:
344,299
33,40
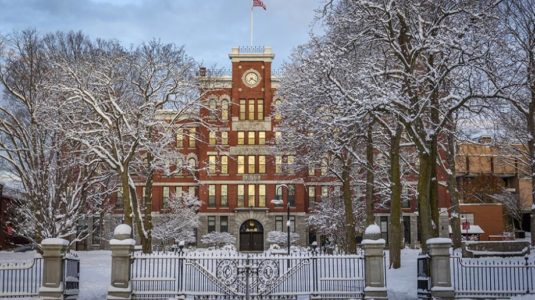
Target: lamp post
277,201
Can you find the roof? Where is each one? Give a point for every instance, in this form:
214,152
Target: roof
474,229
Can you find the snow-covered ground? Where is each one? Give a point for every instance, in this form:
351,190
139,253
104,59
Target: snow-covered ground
95,272
401,283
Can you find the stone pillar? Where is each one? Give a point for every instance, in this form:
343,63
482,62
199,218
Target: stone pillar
439,251
54,250
122,247
375,287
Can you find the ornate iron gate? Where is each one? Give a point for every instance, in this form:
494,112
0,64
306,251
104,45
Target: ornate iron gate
247,276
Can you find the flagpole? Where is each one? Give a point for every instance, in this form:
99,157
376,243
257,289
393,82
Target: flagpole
251,27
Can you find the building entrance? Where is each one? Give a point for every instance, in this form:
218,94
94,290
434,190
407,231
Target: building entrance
251,236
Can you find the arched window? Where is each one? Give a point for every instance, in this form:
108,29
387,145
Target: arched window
224,110
192,162
212,105
324,167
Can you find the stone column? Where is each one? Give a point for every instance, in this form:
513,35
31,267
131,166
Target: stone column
375,287
54,250
439,251
122,247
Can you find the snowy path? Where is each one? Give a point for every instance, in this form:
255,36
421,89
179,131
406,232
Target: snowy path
95,269
401,283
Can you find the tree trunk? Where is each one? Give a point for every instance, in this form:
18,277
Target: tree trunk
531,142
394,244
351,242
127,208
147,220
424,207
370,218
433,188
455,221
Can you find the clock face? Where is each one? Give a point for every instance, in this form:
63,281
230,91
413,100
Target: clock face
251,78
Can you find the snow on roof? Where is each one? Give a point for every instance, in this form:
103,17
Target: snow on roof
474,229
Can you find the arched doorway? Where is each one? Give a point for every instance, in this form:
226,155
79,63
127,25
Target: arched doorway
251,236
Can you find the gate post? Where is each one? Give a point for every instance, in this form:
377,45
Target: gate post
439,251
122,247
52,286
374,272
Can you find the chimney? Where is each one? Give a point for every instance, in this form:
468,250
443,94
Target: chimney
202,71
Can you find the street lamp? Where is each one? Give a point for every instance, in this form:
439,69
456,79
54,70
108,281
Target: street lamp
279,202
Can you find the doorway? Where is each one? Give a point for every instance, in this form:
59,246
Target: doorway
251,236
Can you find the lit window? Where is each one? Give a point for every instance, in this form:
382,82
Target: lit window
251,109
278,194
261,164
241,137
192,137
311,170
192,191
251,138
290,162
179,139
260,109
212,105
324,191
251,195
252,164
224,138
262,138
179,166
224,164
241,164
242,109
291,195
262,195
224,195
212,138
211,195
165,197
278,164
276,108
223,223
212,164
241,195
311,196
278,137
211,224
224,110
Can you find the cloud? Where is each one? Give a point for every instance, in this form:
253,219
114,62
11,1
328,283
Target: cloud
207,29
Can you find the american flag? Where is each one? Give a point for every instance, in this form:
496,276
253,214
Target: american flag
259,3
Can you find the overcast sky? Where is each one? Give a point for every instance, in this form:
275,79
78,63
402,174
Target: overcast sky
207,28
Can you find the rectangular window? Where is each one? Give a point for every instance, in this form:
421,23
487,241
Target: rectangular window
179,166
251,109
290,164
278,194
278,137
211,224
261,164
311,170
278,224
192,191
179,139
224,164
260,109
323,170
223,224
242,109
262,195
251,161
119,202
251,138
224,110
278,164
311,196
291,195
251,195
241,164
292,223
241,195
224,195
261,138
212,140
212,164
165,197
211,195
324,191
224,137
192,138
241,138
